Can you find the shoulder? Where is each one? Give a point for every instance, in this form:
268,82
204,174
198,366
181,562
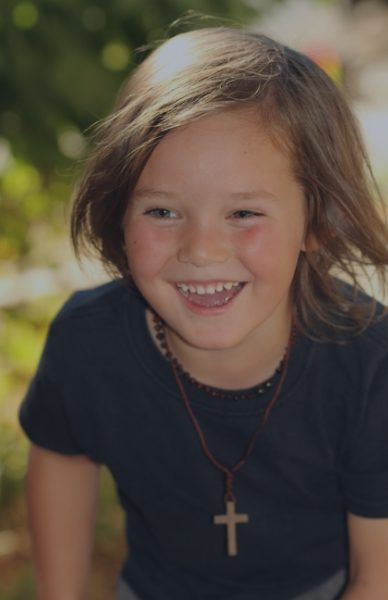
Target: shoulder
369,344
109,300
91,301
375,336
353,362
93,318
356,369
360,350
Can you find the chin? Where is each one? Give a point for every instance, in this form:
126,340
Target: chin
206,342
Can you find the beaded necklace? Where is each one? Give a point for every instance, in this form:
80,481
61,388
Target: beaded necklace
230,518
254,392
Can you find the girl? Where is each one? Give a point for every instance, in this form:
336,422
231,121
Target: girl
234,387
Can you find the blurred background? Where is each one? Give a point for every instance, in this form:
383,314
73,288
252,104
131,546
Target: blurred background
61,65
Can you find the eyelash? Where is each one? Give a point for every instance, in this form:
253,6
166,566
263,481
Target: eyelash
248,213
162,213
156,212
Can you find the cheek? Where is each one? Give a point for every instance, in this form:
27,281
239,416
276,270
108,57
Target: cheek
146,248
254,236
268,245
262,241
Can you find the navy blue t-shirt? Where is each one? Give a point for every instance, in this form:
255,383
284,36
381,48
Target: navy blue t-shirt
103,389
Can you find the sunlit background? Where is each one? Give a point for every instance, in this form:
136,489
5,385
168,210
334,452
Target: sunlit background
61,64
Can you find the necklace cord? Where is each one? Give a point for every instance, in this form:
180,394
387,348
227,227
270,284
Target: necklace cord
230,472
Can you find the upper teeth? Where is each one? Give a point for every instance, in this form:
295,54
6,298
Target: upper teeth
207,289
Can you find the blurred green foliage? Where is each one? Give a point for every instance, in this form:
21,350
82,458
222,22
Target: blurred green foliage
28,198
62,62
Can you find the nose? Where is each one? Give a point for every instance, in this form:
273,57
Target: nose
202,245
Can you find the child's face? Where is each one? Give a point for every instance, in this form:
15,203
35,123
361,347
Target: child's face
217,205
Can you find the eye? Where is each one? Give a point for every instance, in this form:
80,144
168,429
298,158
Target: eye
161,213
246,214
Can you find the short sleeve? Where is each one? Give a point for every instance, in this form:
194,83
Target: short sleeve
364,475
42,414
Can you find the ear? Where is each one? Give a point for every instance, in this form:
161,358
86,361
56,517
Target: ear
310,243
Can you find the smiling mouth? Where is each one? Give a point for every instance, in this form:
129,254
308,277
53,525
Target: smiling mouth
210,295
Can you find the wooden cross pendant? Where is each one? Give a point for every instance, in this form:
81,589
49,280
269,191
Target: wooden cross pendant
230,519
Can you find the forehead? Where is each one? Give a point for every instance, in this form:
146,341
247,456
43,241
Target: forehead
227,148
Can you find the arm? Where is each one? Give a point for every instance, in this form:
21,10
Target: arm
368,547
62,494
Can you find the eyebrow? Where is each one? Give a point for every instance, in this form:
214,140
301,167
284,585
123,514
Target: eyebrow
252,195
149,192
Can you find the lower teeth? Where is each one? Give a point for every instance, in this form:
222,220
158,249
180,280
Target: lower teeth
221,302
210,300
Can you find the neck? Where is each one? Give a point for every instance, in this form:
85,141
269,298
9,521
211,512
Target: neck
233,368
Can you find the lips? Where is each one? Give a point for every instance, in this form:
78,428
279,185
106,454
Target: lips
210,295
